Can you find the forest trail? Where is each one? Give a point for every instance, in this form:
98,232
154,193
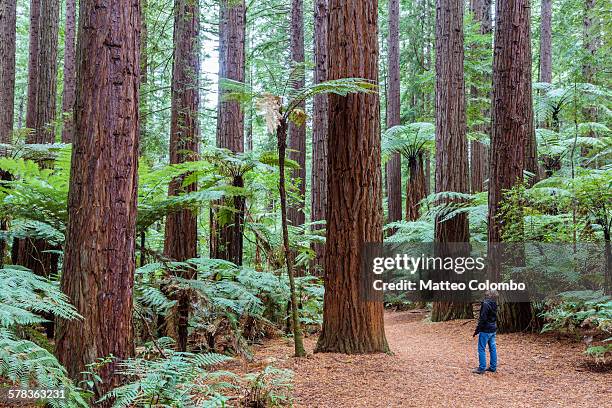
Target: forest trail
431,367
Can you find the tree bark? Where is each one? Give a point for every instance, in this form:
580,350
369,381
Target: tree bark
319,130
8,20
99,259
297,133
451,142
478,151
415,189
181,238
33,64
298,339
512,117
40,117
354,206
394,165
69,72
46,88
546,42
227,240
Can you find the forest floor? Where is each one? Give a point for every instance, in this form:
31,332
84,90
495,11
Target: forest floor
430,366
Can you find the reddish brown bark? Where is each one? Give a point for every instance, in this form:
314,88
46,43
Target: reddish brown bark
394,165
451,142
8,15
354,206
546,42
40,116
319,129
69,71
99,259
297,133
511,104
33,64
227,240
181,237
46,86
479,153
416,189
512,130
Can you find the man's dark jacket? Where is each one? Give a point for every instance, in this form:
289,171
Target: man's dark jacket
487,322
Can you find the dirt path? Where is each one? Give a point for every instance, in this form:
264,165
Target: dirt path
431,367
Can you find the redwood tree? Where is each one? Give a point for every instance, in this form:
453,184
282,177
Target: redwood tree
226,240
8,15
99,259
546,42
512,113
40,117
319,128
69,71
478,151
181,238
451,142
394,167
354,207
297,132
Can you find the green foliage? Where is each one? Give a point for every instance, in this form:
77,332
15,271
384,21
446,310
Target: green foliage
579,310
23,298
268,388
175,379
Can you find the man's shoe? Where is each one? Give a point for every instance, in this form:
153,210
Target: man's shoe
491,370
478,371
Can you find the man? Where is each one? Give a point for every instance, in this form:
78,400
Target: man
486,329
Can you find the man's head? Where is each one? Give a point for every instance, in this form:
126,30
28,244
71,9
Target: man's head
491,294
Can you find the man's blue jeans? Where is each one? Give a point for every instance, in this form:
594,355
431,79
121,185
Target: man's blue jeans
483,340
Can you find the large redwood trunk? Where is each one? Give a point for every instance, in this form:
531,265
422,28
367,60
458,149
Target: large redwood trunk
451,142
354,206
227,240
512,114
319,130
181,238
297,133
33,64
546,42
8,15
40,116
479,153
69,71
46,87
394,165
416,190
99,260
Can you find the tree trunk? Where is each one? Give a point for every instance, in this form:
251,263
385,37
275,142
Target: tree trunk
227,239
298,340
394,165
8,16
297,133
46,88
546,42
33,64
181,238
451,142
354,206
99,259
319,130
478,151
40,116
69,71
415,188
512,114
